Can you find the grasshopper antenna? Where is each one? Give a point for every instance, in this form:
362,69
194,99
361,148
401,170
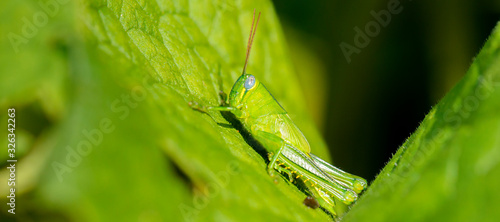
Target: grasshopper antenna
250,40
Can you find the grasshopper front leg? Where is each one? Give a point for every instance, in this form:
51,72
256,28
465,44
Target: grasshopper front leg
204,109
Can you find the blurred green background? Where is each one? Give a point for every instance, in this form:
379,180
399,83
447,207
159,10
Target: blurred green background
367,108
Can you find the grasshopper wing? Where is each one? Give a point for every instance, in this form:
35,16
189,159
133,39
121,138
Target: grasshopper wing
282,126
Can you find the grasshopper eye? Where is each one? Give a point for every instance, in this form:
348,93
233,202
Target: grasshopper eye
249,82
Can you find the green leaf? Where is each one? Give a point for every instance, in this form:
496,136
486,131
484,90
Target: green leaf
121,143
449,169
104,132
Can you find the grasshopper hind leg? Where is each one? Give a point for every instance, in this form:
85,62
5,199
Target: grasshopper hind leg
322,190
355,183
325,200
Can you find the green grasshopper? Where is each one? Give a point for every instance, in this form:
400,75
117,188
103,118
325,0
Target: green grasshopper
288,149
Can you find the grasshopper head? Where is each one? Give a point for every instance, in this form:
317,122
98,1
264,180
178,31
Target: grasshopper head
247,82
243,87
